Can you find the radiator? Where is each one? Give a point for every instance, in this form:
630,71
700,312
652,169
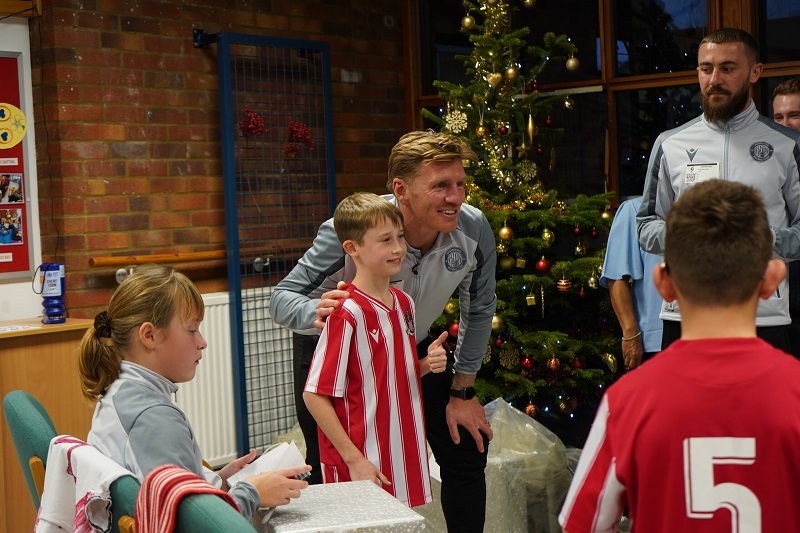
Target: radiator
208,400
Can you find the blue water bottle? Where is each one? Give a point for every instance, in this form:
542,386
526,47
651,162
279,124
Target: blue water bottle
52,280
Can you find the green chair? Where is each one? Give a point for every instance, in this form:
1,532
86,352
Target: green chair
32,430
206,513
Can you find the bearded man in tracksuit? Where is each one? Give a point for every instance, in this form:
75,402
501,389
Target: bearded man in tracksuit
731,141
451,247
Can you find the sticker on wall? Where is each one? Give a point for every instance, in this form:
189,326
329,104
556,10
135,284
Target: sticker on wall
13,125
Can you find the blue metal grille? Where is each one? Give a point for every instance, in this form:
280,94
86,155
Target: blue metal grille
275,102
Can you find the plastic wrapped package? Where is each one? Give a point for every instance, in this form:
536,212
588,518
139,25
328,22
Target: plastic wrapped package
527,476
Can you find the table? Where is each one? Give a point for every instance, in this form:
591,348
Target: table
353,506
41,359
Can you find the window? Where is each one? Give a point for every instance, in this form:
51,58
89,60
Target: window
637,77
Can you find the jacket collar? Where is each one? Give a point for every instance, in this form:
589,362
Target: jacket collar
738,122
148,378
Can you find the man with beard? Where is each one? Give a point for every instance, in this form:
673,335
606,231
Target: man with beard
731,141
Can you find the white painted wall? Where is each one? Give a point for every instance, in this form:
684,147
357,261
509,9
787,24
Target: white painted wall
17,299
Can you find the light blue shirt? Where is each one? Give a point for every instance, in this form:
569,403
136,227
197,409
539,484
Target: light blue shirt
624,257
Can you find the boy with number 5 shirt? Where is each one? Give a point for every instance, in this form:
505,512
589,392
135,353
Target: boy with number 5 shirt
704,437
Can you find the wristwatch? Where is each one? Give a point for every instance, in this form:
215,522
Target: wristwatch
467,393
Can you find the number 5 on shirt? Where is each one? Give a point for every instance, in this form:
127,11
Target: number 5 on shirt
703,496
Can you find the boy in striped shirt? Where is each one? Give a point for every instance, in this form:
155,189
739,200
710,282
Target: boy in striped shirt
363,388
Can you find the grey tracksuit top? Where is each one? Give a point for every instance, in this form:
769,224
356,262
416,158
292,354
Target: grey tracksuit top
136,424
749,149
464,259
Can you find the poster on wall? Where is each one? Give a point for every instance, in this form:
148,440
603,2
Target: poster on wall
15,244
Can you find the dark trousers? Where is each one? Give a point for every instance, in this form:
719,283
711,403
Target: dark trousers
462,466
778,336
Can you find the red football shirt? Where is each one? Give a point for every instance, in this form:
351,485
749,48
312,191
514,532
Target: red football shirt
704,437
366,361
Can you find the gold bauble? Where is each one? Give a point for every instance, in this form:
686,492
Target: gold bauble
529,3
531,127
482,130
568,103
580,249
606,215
548,236
450,307
491,2
502,248
467,22
592,282
512,73
573,64
497,323
507,262
505,233
494,78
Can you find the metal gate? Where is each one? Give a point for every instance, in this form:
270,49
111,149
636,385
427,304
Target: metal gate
278,167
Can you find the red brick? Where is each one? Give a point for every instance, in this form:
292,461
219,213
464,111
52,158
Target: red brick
150,133
161,10
188,133
105,95
127,186
184,202
140,25
121,41
203,150
73,206
206,184
83,150
129,222
123,114
191,236
162,45
147,203
108,241
208,218
70,36
167,185
92,19
69,74
166,115
151,238
103,168
187,168
104,132
122,78
164,80
147,168
106,204
143,60
171,220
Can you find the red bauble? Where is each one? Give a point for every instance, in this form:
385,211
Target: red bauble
577,230
542,266
578,363
535,85
548,121
594,234
526,363
453,330
582,293
539,150
554,363
531,410
502,130
499,341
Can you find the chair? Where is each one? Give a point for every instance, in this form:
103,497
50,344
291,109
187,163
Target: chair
32,430
206,513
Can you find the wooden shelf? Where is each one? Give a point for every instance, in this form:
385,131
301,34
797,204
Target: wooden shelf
21,8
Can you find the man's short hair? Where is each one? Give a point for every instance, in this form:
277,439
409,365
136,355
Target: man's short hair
718,243
734,35
361,211
790,86
421,148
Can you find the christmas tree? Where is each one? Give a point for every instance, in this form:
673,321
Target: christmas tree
554,347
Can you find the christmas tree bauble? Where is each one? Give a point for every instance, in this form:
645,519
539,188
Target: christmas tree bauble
497,323
467,22
453,329
505,233
501,248
564,285
548,236
512,73
542,266
503,130
450,307
526,363
494,78
482,130
573,64
594,234
529,3
592,282
578,363
531,410
580,249
577,230
507,262
554,363
610,361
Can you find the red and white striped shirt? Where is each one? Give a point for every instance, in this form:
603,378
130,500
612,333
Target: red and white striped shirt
366,361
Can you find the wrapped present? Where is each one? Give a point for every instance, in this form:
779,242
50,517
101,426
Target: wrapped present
353,506
527,476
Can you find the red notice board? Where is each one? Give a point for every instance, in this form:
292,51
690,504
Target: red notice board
15,239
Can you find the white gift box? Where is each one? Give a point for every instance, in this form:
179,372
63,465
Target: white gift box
354,506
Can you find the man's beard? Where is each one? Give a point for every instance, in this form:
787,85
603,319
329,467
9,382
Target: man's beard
718,113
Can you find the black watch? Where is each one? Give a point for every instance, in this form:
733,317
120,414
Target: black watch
467,393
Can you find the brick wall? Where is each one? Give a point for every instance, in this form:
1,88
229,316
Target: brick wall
128,131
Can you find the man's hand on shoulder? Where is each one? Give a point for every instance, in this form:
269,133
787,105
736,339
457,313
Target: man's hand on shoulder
328,302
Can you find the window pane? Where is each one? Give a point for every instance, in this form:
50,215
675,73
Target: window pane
578,20
780,20
580,150
655,36
641,117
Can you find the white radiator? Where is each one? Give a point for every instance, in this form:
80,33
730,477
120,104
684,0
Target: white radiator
208,399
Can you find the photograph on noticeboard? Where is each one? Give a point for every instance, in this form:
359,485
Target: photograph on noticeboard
11,189
11,225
